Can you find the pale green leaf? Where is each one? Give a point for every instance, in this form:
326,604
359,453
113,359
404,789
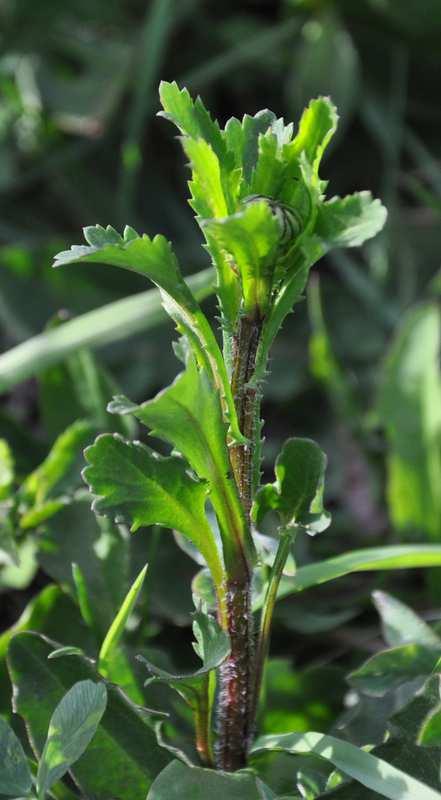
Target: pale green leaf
367,769
363,560
316,129
401,625
250,238
15,775
71,729
6,469
116,630
349,221
410,410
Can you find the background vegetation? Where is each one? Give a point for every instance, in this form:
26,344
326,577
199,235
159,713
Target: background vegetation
356,366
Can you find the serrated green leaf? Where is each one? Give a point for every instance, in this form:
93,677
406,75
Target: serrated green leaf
152,258
242,139
401,625
297,493
187,414
178,781
316,129
367,769
191,117
116,630
123,758
349,221
71,729
250,238
391,668
15,775
206,179
132,482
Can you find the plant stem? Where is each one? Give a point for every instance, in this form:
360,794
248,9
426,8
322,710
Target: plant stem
285,541
237,673
202,719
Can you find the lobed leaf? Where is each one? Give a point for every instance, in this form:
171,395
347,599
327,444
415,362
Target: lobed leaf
296,495
132,482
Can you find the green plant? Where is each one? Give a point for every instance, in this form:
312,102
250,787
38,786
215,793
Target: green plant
260,203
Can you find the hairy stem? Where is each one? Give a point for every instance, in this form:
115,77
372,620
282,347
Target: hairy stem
237,673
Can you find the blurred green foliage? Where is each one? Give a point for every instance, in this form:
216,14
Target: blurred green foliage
80,144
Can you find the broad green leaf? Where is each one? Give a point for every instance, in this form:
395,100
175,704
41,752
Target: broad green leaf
430,733
123,758
15,775
317,127
188,415
409,721
190,116
367,769
391,668
297,493
250,238
56,465
179,781
364,560
111,323
132,482
71,729
349,221
401,625
6,469
410,409
116,630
